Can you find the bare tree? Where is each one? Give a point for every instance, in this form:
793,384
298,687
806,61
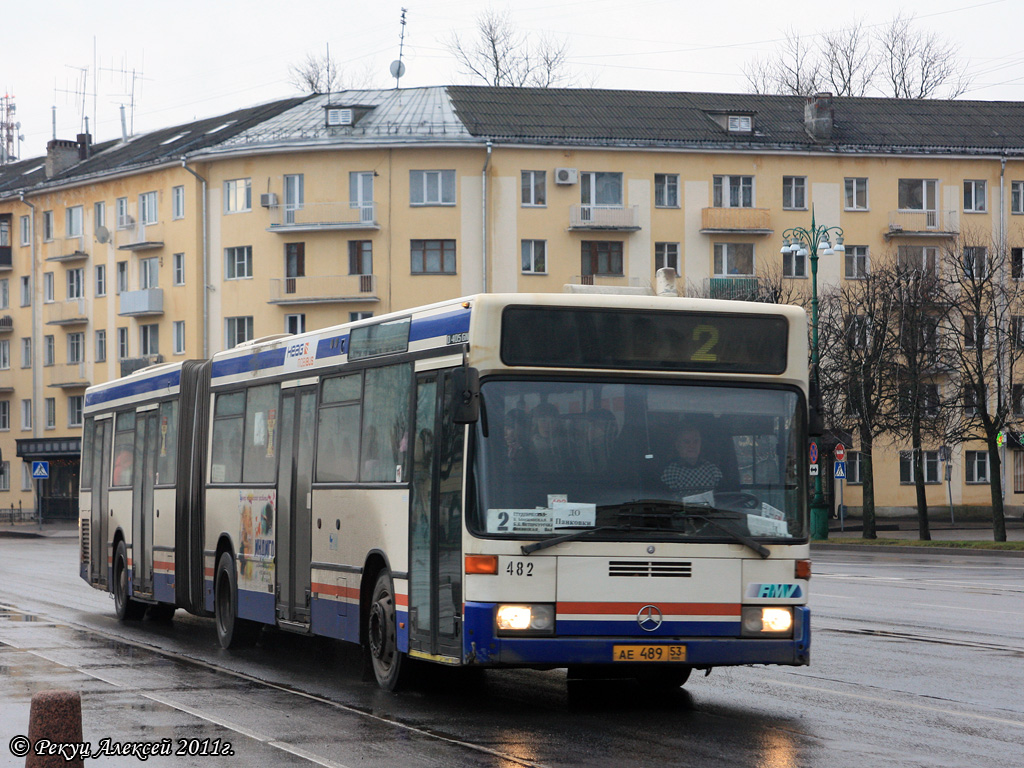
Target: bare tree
848,61
916,64
500,54
795,69
319,73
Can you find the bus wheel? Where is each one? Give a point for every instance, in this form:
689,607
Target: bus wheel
124,606
232,632
382,635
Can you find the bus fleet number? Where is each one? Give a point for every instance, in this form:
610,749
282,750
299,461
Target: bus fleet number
519,569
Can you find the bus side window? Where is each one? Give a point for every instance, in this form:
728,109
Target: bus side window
385,443
260,464
226,453
124,449
337,434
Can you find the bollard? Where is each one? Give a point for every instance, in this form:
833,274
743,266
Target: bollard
55,716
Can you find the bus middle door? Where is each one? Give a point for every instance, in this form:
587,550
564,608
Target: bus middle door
143,478
435,522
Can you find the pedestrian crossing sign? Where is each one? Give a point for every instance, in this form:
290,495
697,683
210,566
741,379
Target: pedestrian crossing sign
41,470
840,470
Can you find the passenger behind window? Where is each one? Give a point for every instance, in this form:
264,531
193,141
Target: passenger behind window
599,440
548,439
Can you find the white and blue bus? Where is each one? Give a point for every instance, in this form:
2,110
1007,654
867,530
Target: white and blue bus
496,481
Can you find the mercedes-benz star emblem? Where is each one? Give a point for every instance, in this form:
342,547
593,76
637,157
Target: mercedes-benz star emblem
649,618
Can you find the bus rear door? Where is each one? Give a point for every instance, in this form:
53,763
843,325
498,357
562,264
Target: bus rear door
147,444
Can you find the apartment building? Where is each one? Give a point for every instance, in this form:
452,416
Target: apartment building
312,211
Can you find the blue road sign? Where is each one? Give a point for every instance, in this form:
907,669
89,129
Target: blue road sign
41,470
840,470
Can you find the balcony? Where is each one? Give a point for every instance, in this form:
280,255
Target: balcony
130,365
68,249
732,288
140,237
607,217
6,324
323,289
6,380
610,281
6,260
313,217
66,376
729,221
70,312
149,301
923,224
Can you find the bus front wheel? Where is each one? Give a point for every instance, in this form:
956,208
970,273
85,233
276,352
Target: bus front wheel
382,635
124,606
232,632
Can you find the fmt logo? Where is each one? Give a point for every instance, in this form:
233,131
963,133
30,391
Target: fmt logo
774,591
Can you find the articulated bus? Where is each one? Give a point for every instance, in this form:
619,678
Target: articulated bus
616,485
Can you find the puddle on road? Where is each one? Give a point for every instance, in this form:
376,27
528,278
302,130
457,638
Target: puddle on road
9,614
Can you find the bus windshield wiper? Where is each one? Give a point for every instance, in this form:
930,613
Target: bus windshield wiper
528,549
675,510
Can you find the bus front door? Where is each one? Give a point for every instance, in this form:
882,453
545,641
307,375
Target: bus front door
146,445
435,523
99,521
294,516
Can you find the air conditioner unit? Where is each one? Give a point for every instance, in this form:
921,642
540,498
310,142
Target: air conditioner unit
566,175
268,200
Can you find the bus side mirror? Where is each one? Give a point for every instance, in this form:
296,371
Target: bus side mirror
815,419
465,402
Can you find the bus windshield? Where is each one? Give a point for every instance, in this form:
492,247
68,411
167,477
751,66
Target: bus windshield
653,460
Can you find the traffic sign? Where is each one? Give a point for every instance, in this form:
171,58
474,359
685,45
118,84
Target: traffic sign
840,470
840,452
41,470
814,470
814,453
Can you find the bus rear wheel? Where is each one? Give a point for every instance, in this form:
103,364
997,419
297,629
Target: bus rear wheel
232,632
125,608
382,635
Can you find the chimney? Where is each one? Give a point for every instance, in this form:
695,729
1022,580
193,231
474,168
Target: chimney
819,115
61,154
84,141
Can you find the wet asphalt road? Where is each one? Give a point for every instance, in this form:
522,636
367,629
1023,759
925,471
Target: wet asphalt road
917,660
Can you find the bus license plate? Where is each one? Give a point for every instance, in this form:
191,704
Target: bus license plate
648,653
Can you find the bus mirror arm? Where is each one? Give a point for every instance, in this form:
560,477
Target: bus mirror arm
465,403
815,418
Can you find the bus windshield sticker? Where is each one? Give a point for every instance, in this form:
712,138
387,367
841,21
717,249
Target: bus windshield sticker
766,526
574,515
541,520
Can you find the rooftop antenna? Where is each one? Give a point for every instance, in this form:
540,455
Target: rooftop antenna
397,66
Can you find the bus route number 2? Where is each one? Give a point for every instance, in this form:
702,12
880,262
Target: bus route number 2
708,335
519,568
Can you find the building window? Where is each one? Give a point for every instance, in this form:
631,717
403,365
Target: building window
101,346
1017,400
856,194
794,264
733,192
122,343
5,415
5,293
238,262
975,263
975,332
49,349
853,468
1018,471
666,190
76,347
237,195
917,258
534,186
601,257
360,257
918,194
1017,197
929,461
355,316
5,355
123,219
48,287
25,283
734,259
76,404
433,257
149,340
73,221
295,195
177,202
50,407
26,414
76,283
47,226
5,475
432,187
972,403
976,466
534,253
295,323
101,279
149,273
601,188
26,231
26,476
179,268
974,196
178,329
667,255
122,277
857,263
237,330
26,352
741,124
794,193
99,215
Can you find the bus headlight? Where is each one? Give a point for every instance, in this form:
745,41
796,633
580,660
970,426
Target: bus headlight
773,621
526,619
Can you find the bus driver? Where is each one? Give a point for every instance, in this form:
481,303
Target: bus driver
690,474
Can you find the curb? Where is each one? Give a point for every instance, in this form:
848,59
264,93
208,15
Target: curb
897,549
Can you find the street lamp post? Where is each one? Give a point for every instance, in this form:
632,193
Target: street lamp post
801,242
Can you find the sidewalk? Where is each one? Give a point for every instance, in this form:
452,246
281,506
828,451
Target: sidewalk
61,529
941,530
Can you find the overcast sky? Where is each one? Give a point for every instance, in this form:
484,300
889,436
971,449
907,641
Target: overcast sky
197,58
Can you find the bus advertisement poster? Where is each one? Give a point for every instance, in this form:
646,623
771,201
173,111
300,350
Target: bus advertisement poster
257,511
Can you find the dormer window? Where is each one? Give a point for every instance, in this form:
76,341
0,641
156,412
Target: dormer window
339,116
740,124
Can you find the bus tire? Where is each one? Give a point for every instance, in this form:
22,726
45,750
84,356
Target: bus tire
382,635
232,632
125,608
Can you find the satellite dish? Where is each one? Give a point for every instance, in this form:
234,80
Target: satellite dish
102,234
397,68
